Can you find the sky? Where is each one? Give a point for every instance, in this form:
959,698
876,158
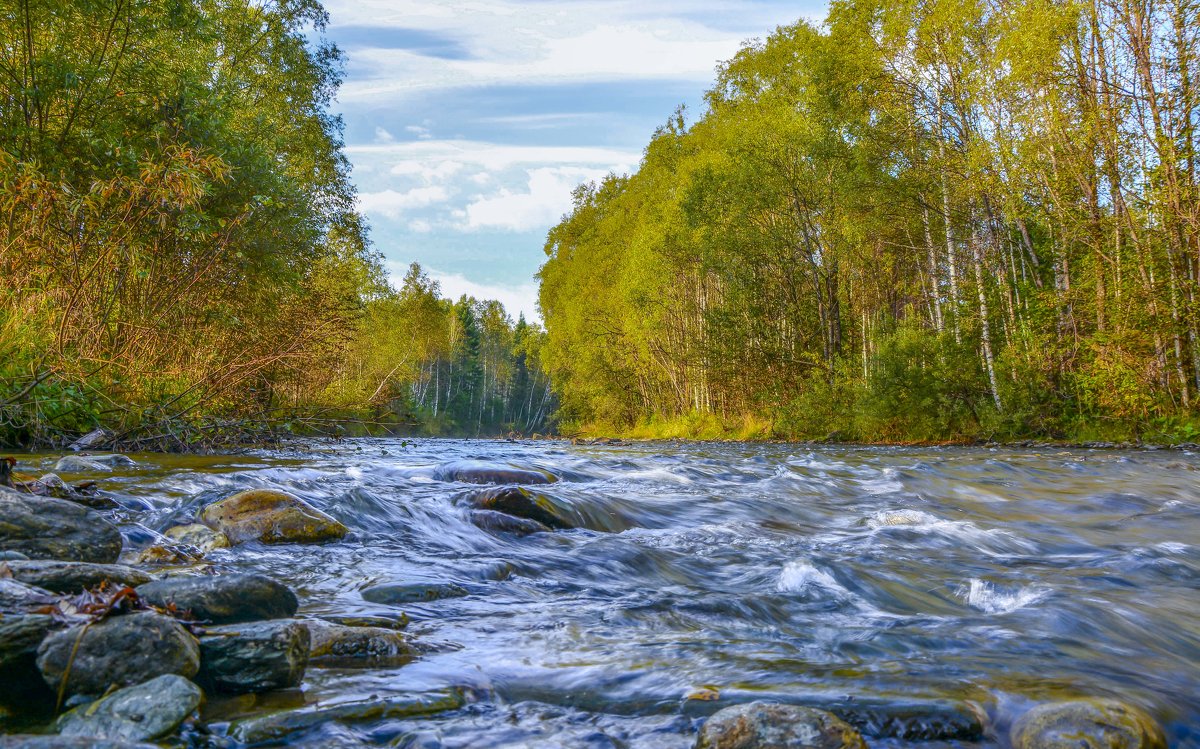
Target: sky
469,122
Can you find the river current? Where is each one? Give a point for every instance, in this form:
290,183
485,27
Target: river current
715,573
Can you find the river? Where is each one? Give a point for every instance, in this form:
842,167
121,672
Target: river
1002,577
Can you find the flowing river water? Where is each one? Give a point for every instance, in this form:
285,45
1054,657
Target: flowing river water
817,575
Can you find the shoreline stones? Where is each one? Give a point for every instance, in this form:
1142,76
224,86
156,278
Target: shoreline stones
270,516
275,726
761,725
151,710
223,599
122,650
1096,722
73,577
46,528
256,657
19,640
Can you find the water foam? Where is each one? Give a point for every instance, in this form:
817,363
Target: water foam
984,596
801,576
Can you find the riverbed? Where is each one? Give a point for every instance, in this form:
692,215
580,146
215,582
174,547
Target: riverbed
716,573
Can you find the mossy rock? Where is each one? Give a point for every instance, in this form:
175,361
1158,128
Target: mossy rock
1087,724
270,516
761,725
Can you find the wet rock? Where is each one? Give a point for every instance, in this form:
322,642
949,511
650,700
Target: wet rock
395,623
478,472
7,556
41,741
86,494
351,645
279,725
256,657
523,503
1098,723
169,554
73,577
412,592
270,516
81,464
760,725
147,711
499,522
200,536
19,640
44,528
223,599
97,436
122,650
18,598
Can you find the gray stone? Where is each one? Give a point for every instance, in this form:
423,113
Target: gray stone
397,593
223,599
761,725
45,528
255,657
147,711
73,577
17,597
19,640
275,726
121,650
336,643
1097,723
81,464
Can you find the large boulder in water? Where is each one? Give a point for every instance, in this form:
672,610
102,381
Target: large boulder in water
524,503
500,522
73,577
1099,723
341,645
270,516
256,657
122,650
44,528
479,472
147,711
417,592
760,725
223,599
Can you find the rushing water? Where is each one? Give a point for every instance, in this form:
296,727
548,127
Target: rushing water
1002,577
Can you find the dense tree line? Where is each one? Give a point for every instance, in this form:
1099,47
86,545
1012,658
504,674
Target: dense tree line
179,244
925,219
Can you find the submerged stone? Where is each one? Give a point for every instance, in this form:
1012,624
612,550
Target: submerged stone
279,725
270,516
122,650
223,599
256,657
412,592
45,528
151,710
499,522
1087,724
479,472
760,725
73,577
200,536
42,741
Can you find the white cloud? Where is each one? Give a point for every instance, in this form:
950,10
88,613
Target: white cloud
420,226
492,157
391,203
546,198
515,42
419,131
383,136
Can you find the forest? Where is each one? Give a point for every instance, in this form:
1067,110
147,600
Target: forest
917,221
181,258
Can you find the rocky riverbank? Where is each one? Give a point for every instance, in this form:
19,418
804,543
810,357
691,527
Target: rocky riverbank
109,642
